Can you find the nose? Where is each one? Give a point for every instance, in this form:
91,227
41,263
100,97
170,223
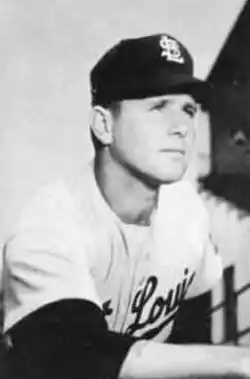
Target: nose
178,128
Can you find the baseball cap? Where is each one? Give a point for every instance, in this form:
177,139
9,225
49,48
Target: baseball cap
143,67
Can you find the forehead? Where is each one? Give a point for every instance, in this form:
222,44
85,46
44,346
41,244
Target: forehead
175,99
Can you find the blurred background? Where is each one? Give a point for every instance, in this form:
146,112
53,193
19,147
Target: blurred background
48,49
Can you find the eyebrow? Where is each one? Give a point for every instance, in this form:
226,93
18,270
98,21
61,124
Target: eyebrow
169,99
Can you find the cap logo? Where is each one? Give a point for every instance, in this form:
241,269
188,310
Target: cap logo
171,50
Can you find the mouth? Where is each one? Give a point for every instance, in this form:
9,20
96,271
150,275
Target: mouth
173,150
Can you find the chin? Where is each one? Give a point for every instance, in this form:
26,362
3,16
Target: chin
170,179
159,174
170,170
158,178
170,176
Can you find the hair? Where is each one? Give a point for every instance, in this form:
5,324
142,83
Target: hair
114,107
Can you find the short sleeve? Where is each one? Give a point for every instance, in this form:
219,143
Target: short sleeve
47,258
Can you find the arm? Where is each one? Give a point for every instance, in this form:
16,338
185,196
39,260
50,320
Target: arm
67,339
55,325
147,359
70,339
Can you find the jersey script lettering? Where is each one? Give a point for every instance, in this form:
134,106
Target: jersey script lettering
162,309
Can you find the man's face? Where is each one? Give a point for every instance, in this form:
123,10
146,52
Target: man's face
153,137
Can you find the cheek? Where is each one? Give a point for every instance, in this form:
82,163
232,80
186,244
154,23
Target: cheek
191,136
136,135
190,143
126,139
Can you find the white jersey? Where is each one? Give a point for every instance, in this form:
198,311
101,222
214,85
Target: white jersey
71,245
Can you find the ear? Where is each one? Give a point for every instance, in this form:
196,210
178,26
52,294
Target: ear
101,125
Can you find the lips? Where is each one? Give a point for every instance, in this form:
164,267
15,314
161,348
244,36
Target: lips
173,150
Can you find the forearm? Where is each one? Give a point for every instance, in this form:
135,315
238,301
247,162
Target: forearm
154,360
70,338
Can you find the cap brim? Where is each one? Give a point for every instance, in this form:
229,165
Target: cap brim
161,83
199,89
177,82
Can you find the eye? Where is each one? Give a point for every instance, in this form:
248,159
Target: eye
159,105
190,109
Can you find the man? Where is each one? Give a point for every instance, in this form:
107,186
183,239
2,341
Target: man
100,264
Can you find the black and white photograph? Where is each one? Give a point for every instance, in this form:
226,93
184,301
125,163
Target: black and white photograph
125,189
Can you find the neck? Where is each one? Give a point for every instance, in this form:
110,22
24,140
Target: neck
129,197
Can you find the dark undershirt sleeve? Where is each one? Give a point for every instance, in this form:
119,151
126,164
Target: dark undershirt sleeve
68,339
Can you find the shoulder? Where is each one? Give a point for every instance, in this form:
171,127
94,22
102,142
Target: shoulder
61,216
183,198
50,204
50,222
181,211
182,218
55,202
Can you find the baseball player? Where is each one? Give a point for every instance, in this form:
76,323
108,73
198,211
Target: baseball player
100,263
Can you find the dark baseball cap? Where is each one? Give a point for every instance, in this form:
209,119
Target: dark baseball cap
144,67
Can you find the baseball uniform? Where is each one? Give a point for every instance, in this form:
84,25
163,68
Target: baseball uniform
70,244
